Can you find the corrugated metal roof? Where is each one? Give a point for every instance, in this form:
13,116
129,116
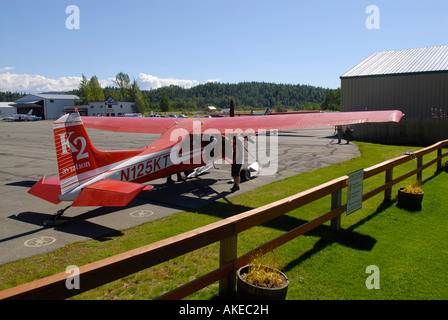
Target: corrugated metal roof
428,59
28,101
32,97
57,96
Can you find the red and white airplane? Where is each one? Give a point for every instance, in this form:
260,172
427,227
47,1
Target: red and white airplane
90,177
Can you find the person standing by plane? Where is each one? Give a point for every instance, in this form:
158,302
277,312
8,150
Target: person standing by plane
348,134
236,167
340,130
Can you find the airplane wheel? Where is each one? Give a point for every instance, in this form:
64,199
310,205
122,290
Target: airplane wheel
245,175
182,176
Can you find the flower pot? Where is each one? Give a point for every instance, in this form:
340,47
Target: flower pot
409,201
248,291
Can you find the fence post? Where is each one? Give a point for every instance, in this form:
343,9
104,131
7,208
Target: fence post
389,177
228,253
419,164
336,198
439,162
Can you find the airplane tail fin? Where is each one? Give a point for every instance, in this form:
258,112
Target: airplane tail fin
78,160
75,153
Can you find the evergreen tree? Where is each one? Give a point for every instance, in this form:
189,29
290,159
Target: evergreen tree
137,97
9,96
85,92
165,103
332,100
96,90
123,83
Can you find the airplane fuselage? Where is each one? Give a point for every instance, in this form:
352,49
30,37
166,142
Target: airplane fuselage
140,169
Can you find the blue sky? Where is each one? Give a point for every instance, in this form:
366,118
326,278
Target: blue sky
194,41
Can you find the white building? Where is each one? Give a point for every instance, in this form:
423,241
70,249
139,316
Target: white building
108,108
47,106
6,110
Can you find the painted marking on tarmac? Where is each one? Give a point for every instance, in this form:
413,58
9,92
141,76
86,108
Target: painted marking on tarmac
39,242
141,213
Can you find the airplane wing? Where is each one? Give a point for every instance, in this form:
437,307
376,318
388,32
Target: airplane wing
298,121
131,124
278,122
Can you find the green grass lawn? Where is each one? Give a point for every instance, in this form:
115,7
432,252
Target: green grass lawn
409,248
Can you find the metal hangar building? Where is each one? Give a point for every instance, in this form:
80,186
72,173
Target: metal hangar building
414,81
47,106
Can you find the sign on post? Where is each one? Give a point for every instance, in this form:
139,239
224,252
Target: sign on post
354,191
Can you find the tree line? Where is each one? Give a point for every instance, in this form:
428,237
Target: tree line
9,96
245,95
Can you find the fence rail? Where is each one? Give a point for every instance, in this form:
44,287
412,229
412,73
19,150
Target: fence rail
226,232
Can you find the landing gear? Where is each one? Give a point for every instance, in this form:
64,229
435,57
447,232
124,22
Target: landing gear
181,176
245,175
56,219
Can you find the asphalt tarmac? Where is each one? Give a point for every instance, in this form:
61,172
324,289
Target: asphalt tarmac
27,153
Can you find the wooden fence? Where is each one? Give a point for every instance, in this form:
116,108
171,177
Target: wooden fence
226,232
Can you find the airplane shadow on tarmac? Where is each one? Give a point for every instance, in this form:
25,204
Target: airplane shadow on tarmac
180,196
186,195
77,225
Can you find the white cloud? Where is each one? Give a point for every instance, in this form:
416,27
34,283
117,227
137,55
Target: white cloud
109,82
6,69
213,80
37,83
147,81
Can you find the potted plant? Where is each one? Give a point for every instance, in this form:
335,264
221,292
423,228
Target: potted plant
411,197
260,282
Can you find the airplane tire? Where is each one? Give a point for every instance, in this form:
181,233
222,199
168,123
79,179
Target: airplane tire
244,175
